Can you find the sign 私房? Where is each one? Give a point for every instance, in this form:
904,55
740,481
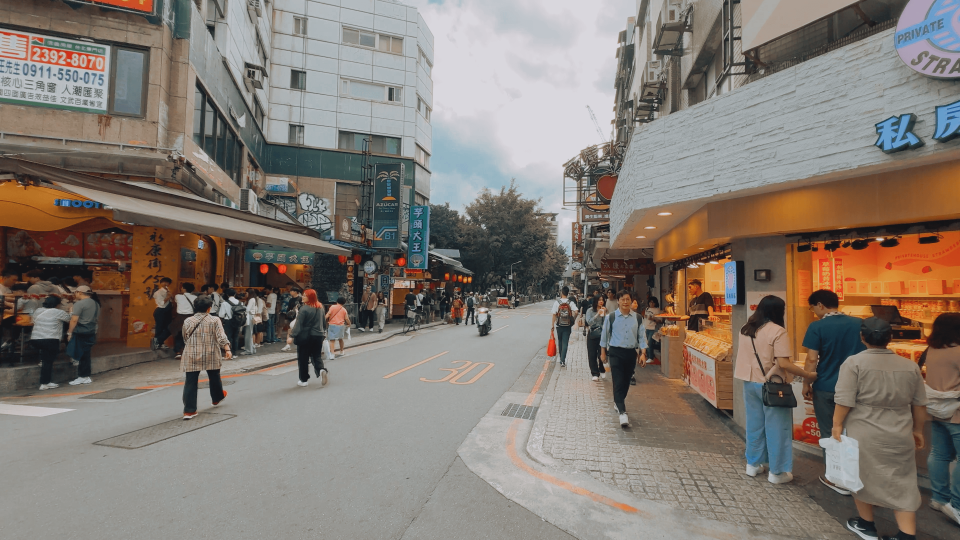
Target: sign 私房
278,256
896,133
928,38
419,240
53,72
387,181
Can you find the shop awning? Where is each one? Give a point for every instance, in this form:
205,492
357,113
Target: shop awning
451,262
133,204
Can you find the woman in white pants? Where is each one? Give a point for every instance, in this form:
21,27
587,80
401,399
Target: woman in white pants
381,310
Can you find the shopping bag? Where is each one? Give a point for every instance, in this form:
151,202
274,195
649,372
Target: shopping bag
552,347
843,462
327,353
348,334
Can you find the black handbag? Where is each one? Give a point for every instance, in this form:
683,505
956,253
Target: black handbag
775,394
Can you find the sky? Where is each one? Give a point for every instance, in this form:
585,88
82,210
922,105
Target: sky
512,79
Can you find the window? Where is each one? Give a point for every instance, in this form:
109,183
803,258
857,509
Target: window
296,134
422,60
379,144
375,92
300,26
391,44
393,93
357,37
422,157
298,79
129,82
213,133
214,13
261,50
423,109
258,113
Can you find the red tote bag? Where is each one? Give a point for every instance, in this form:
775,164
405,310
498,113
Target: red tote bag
552,347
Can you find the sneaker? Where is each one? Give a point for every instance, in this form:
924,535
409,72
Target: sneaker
754,470
937,506
303,383
323,377
163,347
189,415
563,364
215,403
862,528
49,386
595,378
153,344
75,362
80,380
624,421
633,381
781,478
603,375
179,356
951,513
362,330
835,487
285,348
380,331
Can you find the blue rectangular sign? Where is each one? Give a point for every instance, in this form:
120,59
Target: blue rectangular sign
387,182
418,242
733,283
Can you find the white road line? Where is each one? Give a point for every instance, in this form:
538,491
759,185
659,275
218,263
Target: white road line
499,329
26,410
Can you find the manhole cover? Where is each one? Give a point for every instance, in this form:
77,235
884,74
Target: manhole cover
116,393
160,432
524,412
206,384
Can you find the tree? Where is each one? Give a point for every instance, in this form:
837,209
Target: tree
445,226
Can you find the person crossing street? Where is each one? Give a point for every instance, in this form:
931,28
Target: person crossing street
203,338
624,340
471,311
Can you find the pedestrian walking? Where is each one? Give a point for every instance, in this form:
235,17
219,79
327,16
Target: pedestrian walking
651,325
764,353
184,305
338,320
457,310
881,402
47,331
622,340
233,316
611,302
308,332
291,309
593,319
830,340
368,304
203,339
471,311
253,319
444,304
564,313
271,305
260,328
942,359
381,311
82,333
162,314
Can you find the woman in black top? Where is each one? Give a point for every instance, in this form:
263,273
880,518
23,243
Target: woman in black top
308,332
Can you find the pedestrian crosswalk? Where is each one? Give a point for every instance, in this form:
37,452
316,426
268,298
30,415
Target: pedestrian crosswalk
27,410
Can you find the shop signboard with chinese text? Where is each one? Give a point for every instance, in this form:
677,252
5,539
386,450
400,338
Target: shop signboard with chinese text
419,240
387,181
53,72
702,373
278,256
628,267
156,254
145,7
347,230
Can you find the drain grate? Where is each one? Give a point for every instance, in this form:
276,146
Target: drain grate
524,412
116,393
160,432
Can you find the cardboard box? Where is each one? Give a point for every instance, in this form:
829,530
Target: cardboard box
876,287
895,287
936,286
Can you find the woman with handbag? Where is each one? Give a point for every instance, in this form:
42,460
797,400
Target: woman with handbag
308,332
594,321
881,401
338,320
943,392
763,363
203,337
381,311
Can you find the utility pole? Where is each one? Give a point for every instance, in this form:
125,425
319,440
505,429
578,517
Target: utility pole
596,124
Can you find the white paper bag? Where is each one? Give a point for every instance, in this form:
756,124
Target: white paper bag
843,462
327,353
348,334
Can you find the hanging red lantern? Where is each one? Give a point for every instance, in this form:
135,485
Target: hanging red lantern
264,268
357,258
446,277
470,279
282,268
343,259
401,262
460,279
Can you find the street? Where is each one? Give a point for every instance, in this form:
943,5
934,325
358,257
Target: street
364,457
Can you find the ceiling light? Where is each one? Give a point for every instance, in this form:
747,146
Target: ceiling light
701,263
930,239
879,239
691,265
890,242
701,249
665,213
649,227
860,244
714,262
641,237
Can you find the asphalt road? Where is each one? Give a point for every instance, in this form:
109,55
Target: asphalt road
365,457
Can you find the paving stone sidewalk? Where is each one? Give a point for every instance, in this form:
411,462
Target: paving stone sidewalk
676,452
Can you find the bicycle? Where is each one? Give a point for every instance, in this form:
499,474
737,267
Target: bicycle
412,323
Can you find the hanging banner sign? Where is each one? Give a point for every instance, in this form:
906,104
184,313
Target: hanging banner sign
838,278
53,72
826,274
278,256
387,180
419,240
137,6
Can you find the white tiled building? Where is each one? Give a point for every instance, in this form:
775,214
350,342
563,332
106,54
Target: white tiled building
344,69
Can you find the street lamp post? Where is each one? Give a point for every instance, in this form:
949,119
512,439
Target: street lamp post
513,287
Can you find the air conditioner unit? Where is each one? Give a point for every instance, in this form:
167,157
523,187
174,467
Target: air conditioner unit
653,70
255,7
253,77
672,13
249,201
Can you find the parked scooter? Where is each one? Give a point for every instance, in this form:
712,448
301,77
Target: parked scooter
484,321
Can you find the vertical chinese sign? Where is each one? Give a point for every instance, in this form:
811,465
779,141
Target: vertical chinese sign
419,240
826,274
53,72
387,181
156,254
838,278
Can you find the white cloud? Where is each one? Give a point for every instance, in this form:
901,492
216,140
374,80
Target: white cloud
512,79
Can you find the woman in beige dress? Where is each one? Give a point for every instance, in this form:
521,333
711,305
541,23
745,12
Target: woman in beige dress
881,402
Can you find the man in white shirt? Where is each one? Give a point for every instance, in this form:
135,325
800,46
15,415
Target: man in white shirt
162,314
564,314
230,326
272,315
184,306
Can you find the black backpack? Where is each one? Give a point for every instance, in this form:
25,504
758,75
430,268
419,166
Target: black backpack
239,314
470,301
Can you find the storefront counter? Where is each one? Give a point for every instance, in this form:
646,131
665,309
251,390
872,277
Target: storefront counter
708,368
671,356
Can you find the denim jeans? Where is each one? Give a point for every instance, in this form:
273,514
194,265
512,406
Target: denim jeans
83,345
271,328
563,339
650,354
769,431
945,447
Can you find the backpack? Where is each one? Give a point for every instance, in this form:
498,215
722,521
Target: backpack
470,301
239,316
564,314
609,320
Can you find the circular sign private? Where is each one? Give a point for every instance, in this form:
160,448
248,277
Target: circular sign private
928,38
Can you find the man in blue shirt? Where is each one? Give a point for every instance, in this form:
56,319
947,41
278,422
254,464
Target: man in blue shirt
625,341
829,342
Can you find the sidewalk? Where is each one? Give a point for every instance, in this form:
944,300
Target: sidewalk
681,452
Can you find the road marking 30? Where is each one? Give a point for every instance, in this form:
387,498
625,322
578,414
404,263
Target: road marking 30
499,329
420,363
455,373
